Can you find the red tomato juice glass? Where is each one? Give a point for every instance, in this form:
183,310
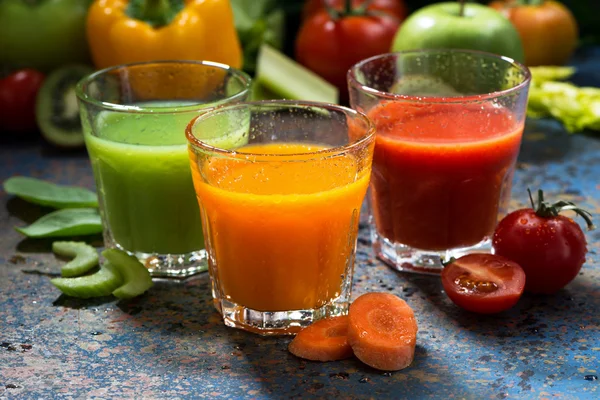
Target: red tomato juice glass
448,132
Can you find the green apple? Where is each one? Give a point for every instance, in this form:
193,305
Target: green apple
442,25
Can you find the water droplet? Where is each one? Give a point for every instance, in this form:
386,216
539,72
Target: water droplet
590,378
339,375
364,379
96,333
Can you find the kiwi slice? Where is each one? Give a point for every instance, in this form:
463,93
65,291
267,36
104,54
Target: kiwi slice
101,283
85,257
57,111
136,278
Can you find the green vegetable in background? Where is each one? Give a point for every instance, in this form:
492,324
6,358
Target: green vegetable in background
578,108
258,22
49,194
67,222
280,77
43,34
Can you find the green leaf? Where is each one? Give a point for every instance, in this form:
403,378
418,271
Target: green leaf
49,194
258,22
68,222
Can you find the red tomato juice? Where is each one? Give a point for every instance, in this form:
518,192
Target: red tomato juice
440,171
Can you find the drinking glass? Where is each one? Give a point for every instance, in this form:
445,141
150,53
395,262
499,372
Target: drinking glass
280,209
134,118
449,126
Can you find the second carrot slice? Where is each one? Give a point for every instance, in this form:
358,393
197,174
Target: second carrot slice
382,331
324,340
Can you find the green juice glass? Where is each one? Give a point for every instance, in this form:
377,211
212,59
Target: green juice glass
134,118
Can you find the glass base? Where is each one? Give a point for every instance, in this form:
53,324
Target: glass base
178,266
407,259
268,323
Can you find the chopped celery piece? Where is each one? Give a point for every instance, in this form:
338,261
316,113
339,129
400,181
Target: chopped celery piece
282,76
101,283
85,257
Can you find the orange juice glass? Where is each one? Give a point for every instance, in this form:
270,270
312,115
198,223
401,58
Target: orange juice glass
280,211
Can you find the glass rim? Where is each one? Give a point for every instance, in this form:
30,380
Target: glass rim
353,81
87,98
212,111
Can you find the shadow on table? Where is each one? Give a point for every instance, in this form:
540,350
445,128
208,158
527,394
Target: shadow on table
281,372
26,211
532,314
177,307
544,140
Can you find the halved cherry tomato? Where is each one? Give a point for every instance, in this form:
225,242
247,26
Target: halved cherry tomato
550,247
484,283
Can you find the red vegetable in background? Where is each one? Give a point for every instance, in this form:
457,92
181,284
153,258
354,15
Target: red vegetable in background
483,283
550,248
18,92
330,42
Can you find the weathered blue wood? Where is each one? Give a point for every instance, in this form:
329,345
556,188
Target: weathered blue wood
170,343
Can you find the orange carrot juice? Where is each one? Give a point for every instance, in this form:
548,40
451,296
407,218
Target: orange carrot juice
280,233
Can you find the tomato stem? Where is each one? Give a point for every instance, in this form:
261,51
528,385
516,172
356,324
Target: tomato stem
546,210
349,10
530,2
447,262
156,13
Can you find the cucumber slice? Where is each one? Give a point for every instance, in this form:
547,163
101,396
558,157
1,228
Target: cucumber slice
136,278
101,283
86,257
282,76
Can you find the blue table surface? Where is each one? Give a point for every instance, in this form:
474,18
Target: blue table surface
170,343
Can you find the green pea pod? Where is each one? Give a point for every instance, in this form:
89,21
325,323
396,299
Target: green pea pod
49,194
85,257
68,222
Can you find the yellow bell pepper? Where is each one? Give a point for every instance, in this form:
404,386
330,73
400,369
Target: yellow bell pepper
125,31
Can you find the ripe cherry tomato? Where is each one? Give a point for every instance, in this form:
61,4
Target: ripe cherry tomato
17,100
483,283
393,7
547,28
330,46
549,247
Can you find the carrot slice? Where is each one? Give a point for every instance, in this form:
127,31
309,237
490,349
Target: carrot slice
382,331
323,340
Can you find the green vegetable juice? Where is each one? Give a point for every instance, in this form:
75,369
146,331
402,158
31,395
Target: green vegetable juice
142,173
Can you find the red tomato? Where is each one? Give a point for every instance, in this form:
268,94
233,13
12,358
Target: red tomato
393,7
329,47
17,100
550,248
483,283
